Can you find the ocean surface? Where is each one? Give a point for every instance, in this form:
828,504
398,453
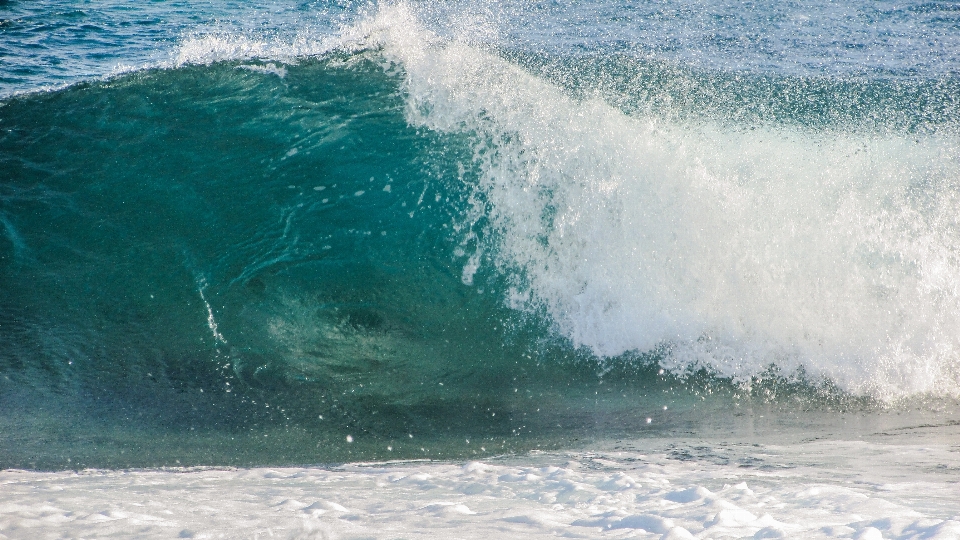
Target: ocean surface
290,233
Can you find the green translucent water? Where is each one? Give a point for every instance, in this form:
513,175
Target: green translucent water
216,265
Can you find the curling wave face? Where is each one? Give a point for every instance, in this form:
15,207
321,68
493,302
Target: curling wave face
397,240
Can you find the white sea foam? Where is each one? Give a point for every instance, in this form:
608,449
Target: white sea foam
206,49
268,69
618,494
737,247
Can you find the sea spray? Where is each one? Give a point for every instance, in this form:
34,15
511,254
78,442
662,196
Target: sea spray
737,246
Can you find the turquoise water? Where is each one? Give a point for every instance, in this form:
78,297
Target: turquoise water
311,233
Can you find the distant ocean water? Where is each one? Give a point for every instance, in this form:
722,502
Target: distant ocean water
314,232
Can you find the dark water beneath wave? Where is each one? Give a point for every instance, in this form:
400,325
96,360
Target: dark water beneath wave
215,249
376,253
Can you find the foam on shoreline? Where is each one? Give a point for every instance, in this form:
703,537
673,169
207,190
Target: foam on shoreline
711,491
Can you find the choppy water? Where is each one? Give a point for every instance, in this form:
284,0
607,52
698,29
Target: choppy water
316,232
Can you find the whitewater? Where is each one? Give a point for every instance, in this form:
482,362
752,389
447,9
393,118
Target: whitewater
428,270
737,247
608,493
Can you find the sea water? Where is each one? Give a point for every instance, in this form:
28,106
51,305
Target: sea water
301,233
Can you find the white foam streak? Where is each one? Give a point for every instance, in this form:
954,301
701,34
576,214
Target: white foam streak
210,48
838,252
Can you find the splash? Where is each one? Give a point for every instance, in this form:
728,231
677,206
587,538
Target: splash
735,247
